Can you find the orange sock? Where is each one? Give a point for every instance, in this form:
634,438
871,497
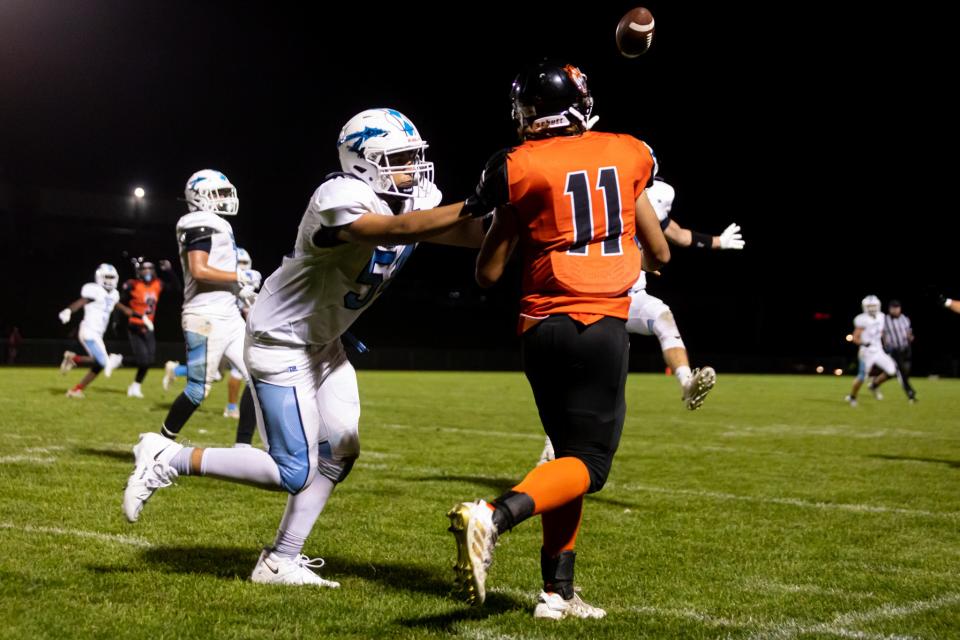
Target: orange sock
560,527
555,483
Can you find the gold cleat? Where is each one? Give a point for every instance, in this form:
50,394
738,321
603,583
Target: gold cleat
471,524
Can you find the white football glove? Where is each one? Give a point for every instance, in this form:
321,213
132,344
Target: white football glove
147,322
247,276
247,295
731,238
430,200
65,315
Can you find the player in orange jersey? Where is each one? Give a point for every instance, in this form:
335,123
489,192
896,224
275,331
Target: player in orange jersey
141,295
571,201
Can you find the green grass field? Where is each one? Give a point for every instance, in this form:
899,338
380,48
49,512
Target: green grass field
776,511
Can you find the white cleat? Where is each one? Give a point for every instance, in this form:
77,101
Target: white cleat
553,607
67,363
75,393
548,453
231,413
152,471
875,391
851,400
274,569
114,360
169,373
134,391
471,524
697,388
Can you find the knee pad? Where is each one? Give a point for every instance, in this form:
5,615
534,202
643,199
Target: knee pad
665,328
341,445
861,371
195,391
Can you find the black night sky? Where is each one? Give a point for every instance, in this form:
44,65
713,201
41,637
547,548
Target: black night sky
828,137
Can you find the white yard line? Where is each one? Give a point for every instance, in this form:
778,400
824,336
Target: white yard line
692,614
793,502
28,459
132,541
470,432
764,585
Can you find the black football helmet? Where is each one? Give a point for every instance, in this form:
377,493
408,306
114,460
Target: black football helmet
551,95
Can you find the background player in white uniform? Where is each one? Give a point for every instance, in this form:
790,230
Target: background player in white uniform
868,333
234,382
97,299
357,232
212,325
651,316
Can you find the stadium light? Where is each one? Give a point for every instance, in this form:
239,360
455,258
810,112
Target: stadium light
820,369
849,337
838,372
139,193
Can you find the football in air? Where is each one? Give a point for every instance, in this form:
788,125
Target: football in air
635,32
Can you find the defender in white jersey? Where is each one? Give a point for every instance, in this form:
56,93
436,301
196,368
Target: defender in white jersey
359,228
868,333
650,315
235,381
212,325
97,299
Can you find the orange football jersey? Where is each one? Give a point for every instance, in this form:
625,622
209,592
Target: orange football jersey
575,202
143,298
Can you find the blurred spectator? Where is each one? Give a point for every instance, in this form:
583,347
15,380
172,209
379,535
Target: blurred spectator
13,344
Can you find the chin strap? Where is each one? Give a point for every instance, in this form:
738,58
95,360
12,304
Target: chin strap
587,123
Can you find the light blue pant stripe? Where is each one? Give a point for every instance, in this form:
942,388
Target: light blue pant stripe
196,366
285,433
95,351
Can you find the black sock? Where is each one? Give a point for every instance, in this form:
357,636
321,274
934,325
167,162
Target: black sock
511,509
248,418
557,573
141,374
179,413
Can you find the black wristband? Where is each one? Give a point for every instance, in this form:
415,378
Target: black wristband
701,240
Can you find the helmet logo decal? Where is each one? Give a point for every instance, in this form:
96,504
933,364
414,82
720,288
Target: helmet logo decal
359,137
402,122
578,78
193,183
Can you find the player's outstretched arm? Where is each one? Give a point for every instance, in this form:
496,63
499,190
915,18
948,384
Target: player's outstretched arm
731,237
72,308
406,228
656,251
496,248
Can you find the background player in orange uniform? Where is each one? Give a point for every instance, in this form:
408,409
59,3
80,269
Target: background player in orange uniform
571,201
140,295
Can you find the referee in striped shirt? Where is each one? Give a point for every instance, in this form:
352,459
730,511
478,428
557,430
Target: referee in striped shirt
897,338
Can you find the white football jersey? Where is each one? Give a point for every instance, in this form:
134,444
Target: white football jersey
662,202
872,330
96,314
208,232
317,293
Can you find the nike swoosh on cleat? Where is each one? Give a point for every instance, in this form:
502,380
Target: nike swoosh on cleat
161,451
